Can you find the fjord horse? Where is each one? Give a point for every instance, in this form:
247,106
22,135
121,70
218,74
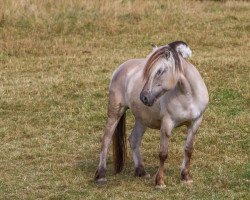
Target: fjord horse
163,91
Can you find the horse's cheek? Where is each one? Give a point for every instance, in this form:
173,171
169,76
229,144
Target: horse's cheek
171,82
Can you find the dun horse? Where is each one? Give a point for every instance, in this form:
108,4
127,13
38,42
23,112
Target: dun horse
163,91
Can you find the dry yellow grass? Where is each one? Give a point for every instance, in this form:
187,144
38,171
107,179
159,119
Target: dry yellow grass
56,58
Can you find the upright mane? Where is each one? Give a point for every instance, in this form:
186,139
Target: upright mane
162,52
182,48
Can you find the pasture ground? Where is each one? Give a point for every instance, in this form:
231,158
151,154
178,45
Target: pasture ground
56,59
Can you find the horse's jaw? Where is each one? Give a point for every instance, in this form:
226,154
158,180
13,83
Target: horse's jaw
149,98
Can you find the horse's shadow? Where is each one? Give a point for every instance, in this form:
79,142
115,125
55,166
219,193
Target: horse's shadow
89,166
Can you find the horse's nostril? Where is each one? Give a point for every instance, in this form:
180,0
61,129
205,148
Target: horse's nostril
144,99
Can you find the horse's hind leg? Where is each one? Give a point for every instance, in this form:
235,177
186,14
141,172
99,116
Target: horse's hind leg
115,111
188,150
135,142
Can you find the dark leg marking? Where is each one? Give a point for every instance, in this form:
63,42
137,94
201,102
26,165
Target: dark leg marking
140,171
100,175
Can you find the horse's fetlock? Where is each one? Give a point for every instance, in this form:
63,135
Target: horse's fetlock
100,173
185,176
163,156
140,171
184,172
159,179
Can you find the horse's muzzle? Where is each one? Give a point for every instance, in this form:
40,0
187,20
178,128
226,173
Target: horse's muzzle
146,98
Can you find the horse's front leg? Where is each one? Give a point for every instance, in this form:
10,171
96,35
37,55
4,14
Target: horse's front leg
166,129
188,150
135,142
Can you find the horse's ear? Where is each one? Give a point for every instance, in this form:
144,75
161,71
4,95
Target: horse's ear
167,53
154,46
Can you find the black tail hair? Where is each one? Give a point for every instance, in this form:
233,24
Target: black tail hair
119,145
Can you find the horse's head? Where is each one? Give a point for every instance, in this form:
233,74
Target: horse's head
161,72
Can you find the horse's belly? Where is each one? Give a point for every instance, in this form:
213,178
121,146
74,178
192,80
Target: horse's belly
151,123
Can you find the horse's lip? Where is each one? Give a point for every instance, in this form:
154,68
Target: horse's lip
149,104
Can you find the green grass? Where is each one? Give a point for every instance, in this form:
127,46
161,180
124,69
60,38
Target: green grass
56,59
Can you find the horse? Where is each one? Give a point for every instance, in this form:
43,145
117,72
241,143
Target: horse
163,91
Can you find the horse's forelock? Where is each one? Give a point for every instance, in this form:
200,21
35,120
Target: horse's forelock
163,52
178,67
159,53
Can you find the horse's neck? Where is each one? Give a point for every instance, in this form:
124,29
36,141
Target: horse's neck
184,86
190,82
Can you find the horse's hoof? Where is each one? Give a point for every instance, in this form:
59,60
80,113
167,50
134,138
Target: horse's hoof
101,181
160,187
147,175
187,182
140,172
186,179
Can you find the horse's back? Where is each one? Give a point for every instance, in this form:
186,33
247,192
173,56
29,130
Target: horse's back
120,78
125,68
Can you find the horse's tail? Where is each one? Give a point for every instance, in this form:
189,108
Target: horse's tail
119,145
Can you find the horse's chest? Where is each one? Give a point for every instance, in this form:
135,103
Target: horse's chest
149,116
185,112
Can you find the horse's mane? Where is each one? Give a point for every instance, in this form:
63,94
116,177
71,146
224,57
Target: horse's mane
162,52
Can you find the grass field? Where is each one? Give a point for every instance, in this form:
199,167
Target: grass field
56,59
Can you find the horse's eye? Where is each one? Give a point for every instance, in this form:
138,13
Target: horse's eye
159,72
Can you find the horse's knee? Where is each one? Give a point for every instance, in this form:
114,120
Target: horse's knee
189,150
